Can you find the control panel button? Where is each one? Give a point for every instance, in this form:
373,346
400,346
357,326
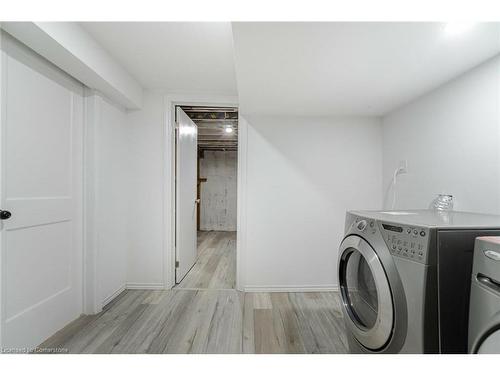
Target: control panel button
494,255
407,242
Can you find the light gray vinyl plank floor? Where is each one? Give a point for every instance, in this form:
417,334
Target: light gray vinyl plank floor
209,321
205,314
215,267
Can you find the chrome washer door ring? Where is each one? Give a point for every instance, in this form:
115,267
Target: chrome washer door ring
366,293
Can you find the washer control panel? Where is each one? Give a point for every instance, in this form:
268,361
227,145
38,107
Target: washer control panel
365,225
410,242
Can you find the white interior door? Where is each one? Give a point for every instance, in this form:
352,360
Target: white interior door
41,185
186,205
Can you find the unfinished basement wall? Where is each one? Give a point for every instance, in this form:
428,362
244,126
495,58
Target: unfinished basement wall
218,193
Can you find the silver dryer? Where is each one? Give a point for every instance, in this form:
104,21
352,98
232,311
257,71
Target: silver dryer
484,316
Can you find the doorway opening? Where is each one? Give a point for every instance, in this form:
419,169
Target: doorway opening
206,140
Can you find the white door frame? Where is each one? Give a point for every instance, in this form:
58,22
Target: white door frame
170,101
92,115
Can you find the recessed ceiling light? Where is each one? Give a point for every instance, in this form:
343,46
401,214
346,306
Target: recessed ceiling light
228,129
456,28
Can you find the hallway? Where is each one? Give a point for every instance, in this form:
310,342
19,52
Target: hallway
215,267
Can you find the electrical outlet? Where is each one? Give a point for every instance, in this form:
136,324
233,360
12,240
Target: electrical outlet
403,166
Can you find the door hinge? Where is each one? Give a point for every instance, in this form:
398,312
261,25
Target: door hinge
176,264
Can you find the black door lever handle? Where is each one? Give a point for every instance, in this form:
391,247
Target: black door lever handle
4,214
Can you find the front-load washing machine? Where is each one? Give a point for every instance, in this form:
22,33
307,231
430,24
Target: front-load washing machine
484,318
404,279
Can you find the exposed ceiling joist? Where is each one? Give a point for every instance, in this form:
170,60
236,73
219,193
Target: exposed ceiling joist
213,124
209,109
214,120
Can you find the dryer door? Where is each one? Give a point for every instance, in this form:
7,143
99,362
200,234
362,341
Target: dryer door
484,318
366,294
491,343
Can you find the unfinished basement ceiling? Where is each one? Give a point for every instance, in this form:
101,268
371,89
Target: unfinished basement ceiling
213,125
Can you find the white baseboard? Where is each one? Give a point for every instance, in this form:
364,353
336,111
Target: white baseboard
247,289
154,286
291,288
113,295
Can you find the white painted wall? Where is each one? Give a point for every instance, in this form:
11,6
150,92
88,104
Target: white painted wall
150,238
302,175
72,49
218,193
450,138
112,199
146,166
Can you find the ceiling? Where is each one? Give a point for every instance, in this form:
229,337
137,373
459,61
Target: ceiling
298,68
212,123
350,68
175,56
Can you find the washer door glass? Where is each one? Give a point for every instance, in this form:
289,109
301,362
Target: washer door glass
361,291
366,294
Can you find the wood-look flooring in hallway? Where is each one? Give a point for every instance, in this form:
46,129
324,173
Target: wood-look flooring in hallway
209,321
205,314
215,267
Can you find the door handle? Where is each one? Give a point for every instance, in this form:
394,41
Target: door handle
4,214
489,282
197,201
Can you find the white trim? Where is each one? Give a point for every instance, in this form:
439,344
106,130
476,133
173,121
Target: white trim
154,286
241,205
170,101
68,46
291,288
206,289
92,113
3,107
131,286
113,295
